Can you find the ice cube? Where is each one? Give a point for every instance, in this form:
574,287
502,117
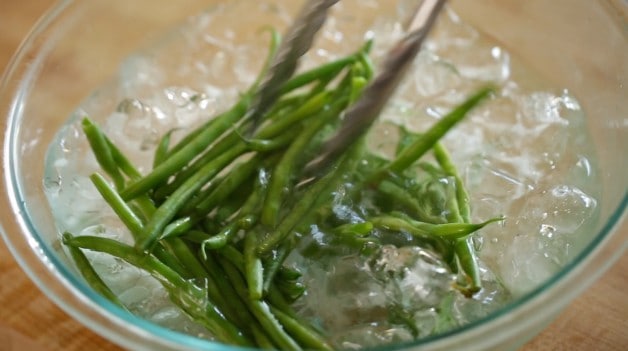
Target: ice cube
411,276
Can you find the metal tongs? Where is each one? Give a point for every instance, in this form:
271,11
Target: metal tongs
297,41
361,115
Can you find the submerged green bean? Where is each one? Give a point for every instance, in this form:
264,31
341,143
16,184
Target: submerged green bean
180,289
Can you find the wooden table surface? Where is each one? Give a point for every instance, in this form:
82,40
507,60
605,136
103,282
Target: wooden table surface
598,320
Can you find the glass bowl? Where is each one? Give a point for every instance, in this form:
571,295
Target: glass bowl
581,45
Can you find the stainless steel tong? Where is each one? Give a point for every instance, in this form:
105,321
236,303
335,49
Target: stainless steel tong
361,115
363,112
297,41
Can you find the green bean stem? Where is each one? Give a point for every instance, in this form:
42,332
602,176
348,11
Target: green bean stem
189,297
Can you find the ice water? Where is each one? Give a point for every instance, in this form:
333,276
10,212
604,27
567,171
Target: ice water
524,154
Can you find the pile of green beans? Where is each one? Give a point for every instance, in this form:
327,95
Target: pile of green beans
218,214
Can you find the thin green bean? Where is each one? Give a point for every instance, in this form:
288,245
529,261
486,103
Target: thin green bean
254,271
260,310
446,230
87,271
102,151
166,212
190,297
281,177
308,337
465,253
161,152
182,157
423,144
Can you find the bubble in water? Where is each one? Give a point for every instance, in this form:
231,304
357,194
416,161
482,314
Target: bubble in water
52,185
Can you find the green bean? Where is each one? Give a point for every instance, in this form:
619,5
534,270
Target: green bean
189,296
262,340
240,173
122,161
401,197
179,159
191,136
444,160
89,274
233,139
254,271
245,219
300,209
268,145
178,227
275,40
221,146
161,152
365,59
189,260
124,212
354,229
271,266
231,303
145,207
417,149
195,236
311,197
102,151
326,70
357,85
259,309
467,259
173,204
278,301
222,238
282,173
234,256
132,221
292,290
144,204
288,273
329,69
446,230
308,337
307,109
